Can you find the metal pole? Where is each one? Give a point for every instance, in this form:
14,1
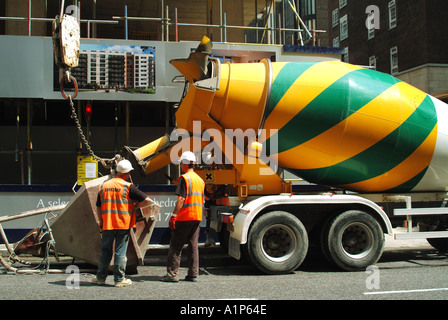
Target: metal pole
279,28
300,19
29,139
283,21
29,18
126,21
94,28
161,26
224,30
167,24
5,240
176,27
167,125
256,20
274,32
31,213
17,131
62,9
221,20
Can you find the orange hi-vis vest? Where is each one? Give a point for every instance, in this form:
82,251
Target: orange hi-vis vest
193,203
116,206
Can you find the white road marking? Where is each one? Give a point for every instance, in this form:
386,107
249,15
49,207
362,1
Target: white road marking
405,291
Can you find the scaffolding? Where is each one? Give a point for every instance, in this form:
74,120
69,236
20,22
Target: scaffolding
273,31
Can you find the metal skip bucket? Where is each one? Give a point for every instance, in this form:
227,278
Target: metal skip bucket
76,233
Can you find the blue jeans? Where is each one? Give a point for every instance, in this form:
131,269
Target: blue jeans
121,238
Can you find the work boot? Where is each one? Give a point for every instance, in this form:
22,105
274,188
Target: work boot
191,278
98,281
123,283
170,278
208,243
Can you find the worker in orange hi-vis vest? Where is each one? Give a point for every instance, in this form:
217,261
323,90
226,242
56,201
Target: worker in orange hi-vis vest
185,220
116,204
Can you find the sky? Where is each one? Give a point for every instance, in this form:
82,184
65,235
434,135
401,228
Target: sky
118,48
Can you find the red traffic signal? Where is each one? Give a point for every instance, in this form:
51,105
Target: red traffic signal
88,110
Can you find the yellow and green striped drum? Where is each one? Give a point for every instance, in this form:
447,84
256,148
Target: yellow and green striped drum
351,127
332,123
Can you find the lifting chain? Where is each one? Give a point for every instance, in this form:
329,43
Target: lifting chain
107,163
66,43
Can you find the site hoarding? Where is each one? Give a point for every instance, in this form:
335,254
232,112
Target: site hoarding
150,79
15,202
113,68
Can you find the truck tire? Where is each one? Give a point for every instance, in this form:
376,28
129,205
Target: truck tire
277,243
440,244
353,240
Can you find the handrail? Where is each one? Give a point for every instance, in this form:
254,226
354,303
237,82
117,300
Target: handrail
88,21
223,27
166,23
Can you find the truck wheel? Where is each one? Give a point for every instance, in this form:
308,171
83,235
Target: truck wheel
353,240
277,243
440,244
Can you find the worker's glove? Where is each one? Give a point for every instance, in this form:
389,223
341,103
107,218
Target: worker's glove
172,222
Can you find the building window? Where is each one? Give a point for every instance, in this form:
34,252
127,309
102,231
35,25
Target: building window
394,60
342,3
371,30
336,42
392,15
335,18
370,33
343,28
307,9
345,57
372,62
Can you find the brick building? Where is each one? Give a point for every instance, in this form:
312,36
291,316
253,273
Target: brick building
408,38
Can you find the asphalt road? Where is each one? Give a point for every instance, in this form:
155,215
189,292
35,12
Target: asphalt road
404,272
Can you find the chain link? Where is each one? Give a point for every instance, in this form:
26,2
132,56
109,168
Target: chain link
107,163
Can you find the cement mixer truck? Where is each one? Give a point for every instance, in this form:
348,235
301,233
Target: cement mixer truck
374,148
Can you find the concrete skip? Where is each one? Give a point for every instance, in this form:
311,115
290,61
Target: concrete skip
76,233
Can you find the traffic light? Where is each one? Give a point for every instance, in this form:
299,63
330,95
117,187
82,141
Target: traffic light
88,111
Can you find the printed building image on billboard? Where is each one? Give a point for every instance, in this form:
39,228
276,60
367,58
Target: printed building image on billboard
106,68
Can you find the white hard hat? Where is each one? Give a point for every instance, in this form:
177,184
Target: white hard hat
124,166
187,157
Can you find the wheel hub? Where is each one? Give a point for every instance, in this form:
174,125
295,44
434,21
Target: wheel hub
278,243
357,240
273,242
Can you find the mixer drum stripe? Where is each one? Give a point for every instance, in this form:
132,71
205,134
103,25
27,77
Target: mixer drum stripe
384,155
350,137
410,184
347,95
283,82
287,99
405,172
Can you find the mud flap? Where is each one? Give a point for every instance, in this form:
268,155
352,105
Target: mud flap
234,248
